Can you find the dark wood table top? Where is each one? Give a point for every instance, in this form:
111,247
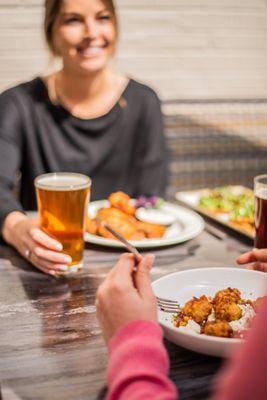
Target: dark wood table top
50,342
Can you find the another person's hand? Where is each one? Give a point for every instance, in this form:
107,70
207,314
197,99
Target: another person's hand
126,295
257,258
32,243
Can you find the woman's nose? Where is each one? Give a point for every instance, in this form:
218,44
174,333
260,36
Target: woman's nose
91,29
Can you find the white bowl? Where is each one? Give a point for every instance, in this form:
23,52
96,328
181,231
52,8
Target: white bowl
183,285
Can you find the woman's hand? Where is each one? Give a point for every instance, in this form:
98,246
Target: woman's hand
40,249
256,256
126,295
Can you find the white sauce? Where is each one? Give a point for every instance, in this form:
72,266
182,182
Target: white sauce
155,216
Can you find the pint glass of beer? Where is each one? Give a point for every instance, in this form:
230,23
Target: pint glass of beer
260,191
62,200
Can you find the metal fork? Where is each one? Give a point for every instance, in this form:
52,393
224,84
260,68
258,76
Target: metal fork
167,305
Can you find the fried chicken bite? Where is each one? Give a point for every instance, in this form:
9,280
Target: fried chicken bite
121,201
227,310
217,328
230,294
198,309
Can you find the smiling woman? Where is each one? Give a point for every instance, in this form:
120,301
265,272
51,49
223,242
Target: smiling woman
86,118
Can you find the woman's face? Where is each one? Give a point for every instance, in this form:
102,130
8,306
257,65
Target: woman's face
84,35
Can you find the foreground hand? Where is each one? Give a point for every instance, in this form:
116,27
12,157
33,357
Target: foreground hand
32,243
126,295
256,256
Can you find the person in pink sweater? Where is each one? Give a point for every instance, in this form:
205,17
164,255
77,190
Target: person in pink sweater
138,362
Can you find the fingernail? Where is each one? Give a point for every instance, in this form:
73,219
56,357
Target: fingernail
67,259
59,246
63,267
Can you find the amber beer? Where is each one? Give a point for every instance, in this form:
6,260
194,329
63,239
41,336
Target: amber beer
260,191
62,204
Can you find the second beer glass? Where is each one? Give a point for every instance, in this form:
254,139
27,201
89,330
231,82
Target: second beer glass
260,191
62,204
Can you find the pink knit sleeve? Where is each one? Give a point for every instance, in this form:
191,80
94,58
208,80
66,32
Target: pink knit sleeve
245,375
138,364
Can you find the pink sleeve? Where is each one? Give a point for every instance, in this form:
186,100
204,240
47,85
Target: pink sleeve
245,375
139,364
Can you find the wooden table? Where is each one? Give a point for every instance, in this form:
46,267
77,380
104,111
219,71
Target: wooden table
50,342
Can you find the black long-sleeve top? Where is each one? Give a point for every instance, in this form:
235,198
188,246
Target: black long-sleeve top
121,150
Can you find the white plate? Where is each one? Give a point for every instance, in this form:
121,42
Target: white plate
187,226
182,286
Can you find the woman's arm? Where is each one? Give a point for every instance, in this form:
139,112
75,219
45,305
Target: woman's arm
138,364
16,228
151,163
10,155
244,376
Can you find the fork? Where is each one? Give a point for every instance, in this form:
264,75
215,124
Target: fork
167,305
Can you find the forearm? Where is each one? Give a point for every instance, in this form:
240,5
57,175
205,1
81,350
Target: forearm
139,364
244,376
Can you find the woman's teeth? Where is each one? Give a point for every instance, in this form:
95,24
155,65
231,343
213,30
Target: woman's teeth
91,51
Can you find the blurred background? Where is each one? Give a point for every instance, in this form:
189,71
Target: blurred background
207,59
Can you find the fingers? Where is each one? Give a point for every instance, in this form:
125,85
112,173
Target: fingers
246,258
42,238
260,255
142,276
124,268
255,255
48,261
258,266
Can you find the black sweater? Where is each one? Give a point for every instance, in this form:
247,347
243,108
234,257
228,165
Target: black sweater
121,150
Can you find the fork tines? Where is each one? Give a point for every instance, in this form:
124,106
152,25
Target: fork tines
171,306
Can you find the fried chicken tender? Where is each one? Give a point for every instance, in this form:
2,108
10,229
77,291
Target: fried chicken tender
151,230
217,328
227,310
123,227
121,201
198,309
106,213
230,294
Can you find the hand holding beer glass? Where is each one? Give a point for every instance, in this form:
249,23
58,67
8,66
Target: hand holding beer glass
260,191
62,204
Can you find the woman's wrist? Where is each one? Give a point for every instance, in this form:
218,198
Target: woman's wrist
9,225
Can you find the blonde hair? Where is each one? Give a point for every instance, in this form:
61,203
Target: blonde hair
52,9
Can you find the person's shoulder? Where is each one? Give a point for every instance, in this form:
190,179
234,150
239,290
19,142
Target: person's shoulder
142,92
23,91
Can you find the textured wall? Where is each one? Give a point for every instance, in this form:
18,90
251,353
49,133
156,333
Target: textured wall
188,49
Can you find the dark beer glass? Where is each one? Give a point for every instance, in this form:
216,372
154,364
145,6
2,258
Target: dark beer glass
62,200
260,191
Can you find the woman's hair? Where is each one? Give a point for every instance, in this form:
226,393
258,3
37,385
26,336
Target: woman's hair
52,9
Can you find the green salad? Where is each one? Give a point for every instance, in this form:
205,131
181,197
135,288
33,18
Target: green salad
238,204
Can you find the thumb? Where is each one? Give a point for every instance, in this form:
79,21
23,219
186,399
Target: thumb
142,276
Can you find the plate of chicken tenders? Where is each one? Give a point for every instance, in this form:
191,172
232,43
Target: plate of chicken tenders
215,307
145,222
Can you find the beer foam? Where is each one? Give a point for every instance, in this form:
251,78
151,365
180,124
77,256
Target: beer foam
62,181
261,193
